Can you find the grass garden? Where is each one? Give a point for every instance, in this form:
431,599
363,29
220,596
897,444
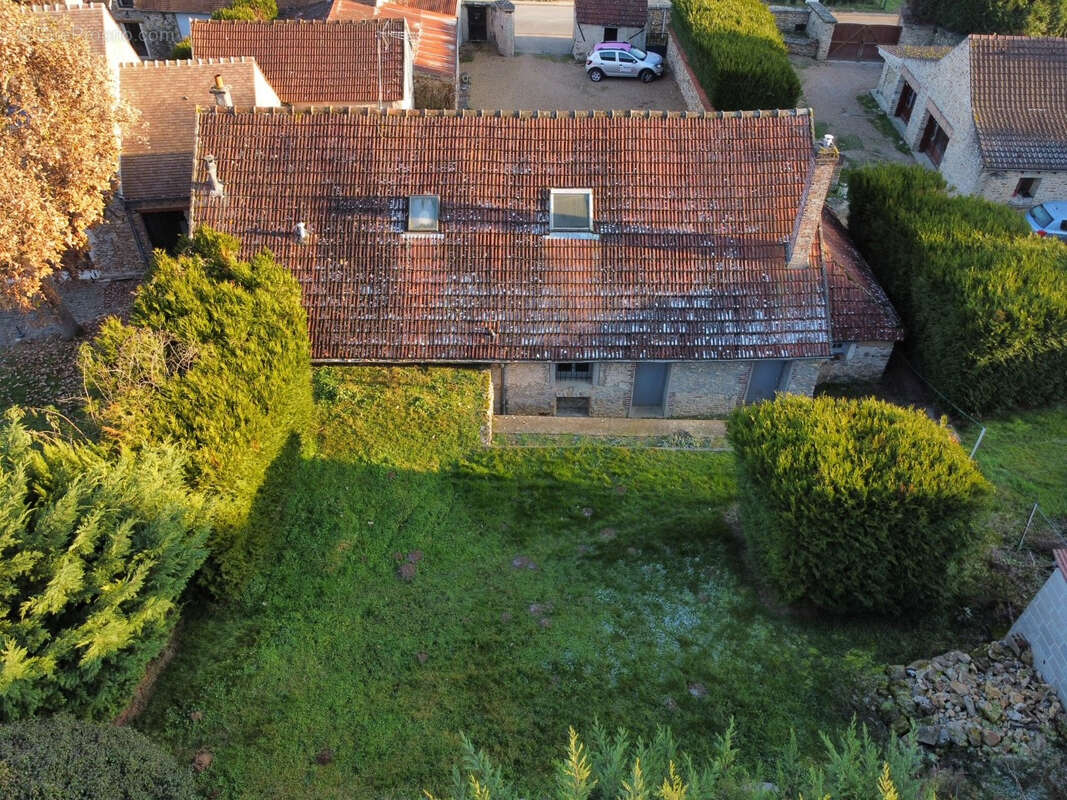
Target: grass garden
424,587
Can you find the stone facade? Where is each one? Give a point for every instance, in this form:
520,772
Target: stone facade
1044,625
159,31
859,362
586,37
806,29
658,26
821,24
913,33
694,389
502,27
943,89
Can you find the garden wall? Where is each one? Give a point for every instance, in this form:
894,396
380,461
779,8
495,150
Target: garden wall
692,93
1044,625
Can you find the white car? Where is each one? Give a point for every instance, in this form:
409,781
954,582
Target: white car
622,60
1049,219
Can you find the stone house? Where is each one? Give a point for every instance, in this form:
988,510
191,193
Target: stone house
319,62
612,264
989,113
598,21
433,26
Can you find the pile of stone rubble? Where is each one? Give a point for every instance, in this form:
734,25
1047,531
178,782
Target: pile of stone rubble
991,699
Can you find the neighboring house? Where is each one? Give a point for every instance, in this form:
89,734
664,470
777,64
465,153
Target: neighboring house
433,28
863,323
156,166
316,62
640,264
990,113
598,21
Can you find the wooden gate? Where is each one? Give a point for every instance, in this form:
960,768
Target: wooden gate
855,42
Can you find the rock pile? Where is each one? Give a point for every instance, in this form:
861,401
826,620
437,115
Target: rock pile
991,699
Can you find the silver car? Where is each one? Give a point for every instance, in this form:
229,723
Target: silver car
1049,219
622,60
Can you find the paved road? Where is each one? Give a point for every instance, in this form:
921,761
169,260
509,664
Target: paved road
546,28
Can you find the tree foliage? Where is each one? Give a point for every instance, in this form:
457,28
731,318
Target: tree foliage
618,766
215,357
60,758
1021,17
58,147
737,53
248,11
94,553
855,504
984,301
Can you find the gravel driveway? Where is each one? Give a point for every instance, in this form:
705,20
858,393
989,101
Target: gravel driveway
539,82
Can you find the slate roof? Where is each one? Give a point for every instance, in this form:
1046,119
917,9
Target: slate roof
860,311
157,150
313,62
626,13
434,35
1019,101
692,213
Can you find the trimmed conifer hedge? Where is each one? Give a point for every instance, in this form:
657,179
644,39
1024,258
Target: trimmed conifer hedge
737,53
215,357
95,550
855,504
984,301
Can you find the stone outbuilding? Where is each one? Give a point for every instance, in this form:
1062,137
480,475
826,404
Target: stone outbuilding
589,260
989,113
597,21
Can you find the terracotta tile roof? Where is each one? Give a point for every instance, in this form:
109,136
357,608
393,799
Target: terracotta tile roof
434,36
691,210
91,21
1061,560
157,151
860,311
1019,101
920,52
313,61
448,8
627,13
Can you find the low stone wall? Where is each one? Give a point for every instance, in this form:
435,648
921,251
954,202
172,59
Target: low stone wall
1044,625
913,33
821,24
658,25
502,27
799,44
862,362
692,91
791,19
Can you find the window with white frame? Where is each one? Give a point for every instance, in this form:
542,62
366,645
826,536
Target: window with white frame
571,210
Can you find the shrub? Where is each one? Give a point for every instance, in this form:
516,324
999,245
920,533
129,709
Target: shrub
855,504
182,50
248,11
215,357
985,302
615,765
63,759
94,553
737,53
1024,17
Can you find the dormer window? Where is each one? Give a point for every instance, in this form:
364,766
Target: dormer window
571,210
423,211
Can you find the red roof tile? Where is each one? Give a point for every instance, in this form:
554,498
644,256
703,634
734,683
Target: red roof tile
1019,100
860,311
626,13
314,61
691,211
434,36
1061,560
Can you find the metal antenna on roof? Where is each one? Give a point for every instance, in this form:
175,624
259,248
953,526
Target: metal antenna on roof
381,37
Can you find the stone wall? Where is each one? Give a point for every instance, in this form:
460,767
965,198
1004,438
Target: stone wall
659,21
160,31
1044,625
803,376
696,389
432,91
913,33
862,362
586,37
1000,187
791,19
821,25
118,246
502,27
692,91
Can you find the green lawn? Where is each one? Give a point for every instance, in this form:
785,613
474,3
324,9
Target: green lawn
627,602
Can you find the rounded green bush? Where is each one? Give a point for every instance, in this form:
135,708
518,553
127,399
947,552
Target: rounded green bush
64,759
855,504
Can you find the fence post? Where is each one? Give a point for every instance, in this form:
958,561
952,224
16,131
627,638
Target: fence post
1029,520
981,435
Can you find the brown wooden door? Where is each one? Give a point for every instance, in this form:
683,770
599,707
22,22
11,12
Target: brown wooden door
855,42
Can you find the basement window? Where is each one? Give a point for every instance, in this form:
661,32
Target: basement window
423,212
571,209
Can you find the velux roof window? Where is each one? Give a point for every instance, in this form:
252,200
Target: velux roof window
571,210
423,212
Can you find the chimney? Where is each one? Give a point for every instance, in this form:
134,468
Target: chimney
302,233
798,251
217,189
222,93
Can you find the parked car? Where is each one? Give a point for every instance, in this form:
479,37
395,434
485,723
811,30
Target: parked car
622,60
1049,219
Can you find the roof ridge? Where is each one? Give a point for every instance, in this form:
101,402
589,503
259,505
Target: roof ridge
188,62
63,6
282,22
514,113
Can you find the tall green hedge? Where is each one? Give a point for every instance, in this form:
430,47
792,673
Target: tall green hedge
1023,17
95,550
984,302
215,358
63,759
737,53
248,11
855,504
